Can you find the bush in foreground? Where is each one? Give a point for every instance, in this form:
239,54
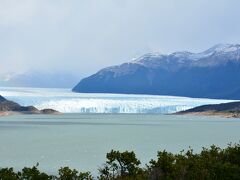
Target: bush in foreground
212,163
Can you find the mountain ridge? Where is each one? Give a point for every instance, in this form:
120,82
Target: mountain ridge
213,73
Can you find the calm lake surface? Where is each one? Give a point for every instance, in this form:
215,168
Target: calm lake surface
82,140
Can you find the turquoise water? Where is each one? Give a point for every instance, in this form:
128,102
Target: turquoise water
82,140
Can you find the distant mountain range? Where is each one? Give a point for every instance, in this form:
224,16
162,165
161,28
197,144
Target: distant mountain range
214,73
39,79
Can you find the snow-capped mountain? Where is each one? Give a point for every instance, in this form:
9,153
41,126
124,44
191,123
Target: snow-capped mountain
223,52
214,73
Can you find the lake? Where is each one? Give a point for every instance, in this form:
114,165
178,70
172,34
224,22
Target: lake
82,140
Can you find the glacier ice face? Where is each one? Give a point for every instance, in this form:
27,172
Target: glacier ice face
66,101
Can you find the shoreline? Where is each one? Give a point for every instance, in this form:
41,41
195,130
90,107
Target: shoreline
210,113
227,110
207,113
10,113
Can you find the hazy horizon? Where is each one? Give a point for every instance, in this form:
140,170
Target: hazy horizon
81,37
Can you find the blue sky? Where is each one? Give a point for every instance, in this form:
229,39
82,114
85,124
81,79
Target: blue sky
82,36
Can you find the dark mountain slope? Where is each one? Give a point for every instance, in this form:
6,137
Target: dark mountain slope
214,73
226,109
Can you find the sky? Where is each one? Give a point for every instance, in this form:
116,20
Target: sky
83,36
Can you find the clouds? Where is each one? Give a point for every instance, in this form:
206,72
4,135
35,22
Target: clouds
83,36
14,12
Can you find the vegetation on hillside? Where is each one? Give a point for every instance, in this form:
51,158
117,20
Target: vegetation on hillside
211,163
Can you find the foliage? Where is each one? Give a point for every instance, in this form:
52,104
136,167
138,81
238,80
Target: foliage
211,163
33,173
123,165
8,174
66,173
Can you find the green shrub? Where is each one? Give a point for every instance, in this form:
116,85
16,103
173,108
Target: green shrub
212,163
65,173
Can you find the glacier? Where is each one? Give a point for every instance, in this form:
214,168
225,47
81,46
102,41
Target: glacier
66,101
